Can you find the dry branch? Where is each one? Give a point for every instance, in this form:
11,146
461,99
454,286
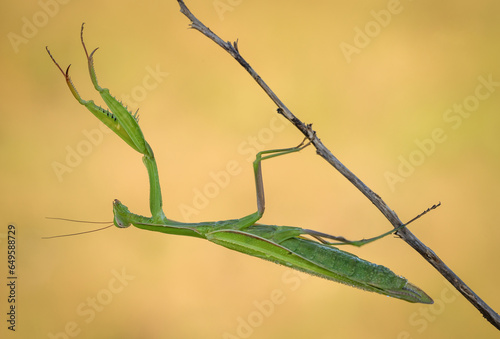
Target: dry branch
325,153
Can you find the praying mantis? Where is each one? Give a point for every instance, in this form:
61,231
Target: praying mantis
301,249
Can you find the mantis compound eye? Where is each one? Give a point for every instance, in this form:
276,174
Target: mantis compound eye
119,223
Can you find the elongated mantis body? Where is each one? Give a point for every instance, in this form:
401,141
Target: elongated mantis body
301,249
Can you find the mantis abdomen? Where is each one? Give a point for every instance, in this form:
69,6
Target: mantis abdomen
320,260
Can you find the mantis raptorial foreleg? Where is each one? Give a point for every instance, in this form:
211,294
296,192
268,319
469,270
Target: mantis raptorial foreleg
284,245
125,124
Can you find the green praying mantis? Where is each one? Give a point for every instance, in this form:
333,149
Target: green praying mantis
301,249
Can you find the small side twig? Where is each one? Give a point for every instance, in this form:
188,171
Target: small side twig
325,153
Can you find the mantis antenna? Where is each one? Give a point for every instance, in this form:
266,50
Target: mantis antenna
84,232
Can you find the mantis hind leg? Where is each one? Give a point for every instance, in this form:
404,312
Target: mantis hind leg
343,241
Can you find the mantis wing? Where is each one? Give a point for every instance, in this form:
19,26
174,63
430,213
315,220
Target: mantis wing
266,242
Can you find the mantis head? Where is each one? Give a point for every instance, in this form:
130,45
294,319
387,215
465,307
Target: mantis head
121,213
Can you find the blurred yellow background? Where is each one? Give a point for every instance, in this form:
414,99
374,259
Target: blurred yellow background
405,94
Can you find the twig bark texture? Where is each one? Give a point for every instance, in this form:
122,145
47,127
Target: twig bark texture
325,153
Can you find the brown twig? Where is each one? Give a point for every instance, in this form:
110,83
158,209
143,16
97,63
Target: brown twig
321,150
